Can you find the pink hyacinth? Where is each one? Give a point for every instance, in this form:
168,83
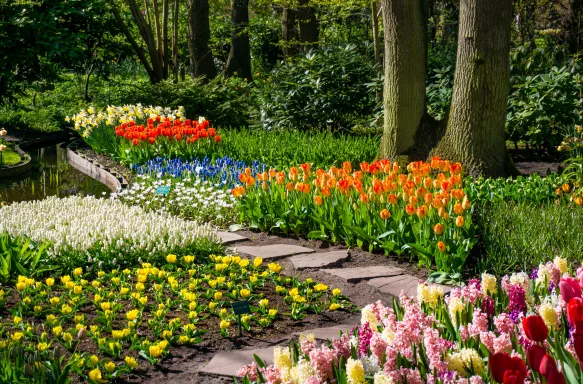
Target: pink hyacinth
271,374
472,291
391,360
378,345
504,324
434,348
306,345
321,360
405,375
410,330
502,343
312,380
341,346
250,370
487,338
464,334
479,323
364,335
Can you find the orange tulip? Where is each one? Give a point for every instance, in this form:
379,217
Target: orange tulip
289,186
410,209
558,191
363,198
385,214
422,211
365,167
441,246
392,199
413,200
248,171
459,221
238,191
250,181
579,200
264,186
438,229
566,188
458,209
325,191
455,169
466,204
318,200
347,167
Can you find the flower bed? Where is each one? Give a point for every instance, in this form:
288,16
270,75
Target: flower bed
125,319
519,329
423,209
102,233
189,198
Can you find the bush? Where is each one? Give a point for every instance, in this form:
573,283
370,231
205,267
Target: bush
323,88
520,236
541,108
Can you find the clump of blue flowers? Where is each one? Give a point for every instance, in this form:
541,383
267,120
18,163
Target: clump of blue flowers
223,171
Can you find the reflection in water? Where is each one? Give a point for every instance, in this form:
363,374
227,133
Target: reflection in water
51,176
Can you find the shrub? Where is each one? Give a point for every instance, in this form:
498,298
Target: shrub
520,236
323,88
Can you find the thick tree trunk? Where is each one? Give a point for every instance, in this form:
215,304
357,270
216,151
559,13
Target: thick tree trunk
309,25
375,33
175,40
475,129
405,65
239,61
165,53
289,31
201,56
146,33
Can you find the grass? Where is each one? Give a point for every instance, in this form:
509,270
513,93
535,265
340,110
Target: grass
9,157
521,236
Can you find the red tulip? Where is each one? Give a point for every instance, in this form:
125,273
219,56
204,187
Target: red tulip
575,312
535,328
507,370
535,355
569,288
578,343
556,377
548,366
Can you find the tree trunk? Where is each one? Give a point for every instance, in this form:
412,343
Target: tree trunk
239,61
148,13
309,25
89,72
139,52
201,56
375,33
157,25
289,31
574,26
405,66
165,53
146,32
475,129
175,40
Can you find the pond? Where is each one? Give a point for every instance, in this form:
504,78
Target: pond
51,176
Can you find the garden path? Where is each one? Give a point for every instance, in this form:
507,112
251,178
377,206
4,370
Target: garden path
387,279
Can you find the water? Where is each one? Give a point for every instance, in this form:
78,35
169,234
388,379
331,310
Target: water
51,176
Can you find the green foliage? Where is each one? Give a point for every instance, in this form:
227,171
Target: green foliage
21,256
543,107
26,367
520,236
281,148
439,93
323,88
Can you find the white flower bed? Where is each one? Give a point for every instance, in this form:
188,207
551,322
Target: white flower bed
78,224
190,198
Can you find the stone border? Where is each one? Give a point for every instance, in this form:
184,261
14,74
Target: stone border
20,168
99,172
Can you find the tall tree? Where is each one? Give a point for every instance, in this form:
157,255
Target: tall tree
375,32
405,66
239,60
289,32
176,11
475,129
309,24
201,57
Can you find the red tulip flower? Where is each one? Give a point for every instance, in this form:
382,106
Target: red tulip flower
507,370
569,288
575,313
535,328
556,378
548,366
534,356
578,343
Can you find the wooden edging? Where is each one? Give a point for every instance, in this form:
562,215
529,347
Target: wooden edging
95,170
23,166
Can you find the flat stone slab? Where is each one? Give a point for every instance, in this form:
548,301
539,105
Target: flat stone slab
230,237
356,274
274,251
329,333
318,260
394,285
228,363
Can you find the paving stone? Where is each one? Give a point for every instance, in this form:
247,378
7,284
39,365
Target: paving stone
354,275
329,333
274,251
395,284
230,237
318,260
228,363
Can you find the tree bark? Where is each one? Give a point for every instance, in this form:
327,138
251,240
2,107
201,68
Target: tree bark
146,32
157,25
375,33
202,63
175,40
239,61
475,129
289,31
405,66
165,53
309,25
574,26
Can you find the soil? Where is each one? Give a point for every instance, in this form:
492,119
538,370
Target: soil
528,168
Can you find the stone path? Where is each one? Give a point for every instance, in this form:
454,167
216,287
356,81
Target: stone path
387,279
